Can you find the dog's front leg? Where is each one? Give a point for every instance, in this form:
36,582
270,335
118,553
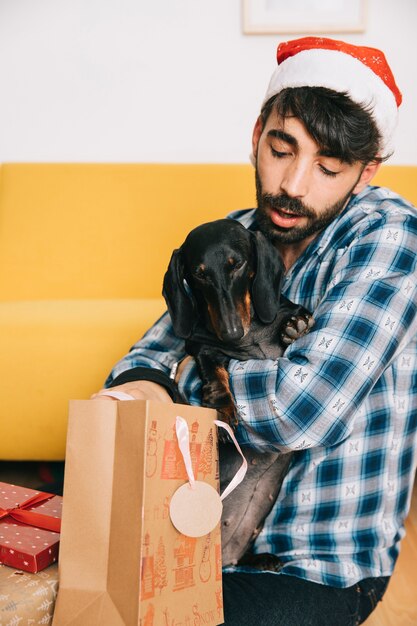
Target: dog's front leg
216,394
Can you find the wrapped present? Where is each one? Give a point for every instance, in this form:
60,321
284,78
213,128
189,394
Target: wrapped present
29,527
122,560
27,598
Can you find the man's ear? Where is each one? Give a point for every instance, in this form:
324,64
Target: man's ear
256,135
367,175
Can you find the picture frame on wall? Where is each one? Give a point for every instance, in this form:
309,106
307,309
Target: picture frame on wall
268,17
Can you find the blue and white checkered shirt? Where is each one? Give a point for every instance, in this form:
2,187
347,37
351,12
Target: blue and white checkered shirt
344,397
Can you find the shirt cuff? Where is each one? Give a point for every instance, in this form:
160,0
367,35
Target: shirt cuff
150,374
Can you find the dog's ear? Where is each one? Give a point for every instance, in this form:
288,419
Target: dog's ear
180,304
269,273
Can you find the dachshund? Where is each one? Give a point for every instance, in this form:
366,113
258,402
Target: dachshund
223,292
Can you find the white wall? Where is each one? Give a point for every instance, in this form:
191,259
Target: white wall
157,80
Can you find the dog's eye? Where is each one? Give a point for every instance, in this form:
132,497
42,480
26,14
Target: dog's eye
200,273
237,265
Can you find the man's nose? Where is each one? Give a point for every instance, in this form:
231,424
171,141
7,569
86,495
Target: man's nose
295,181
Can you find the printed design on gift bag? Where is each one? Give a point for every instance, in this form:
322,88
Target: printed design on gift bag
152,450
219,601
180,574
218,560
149,616
165,510
196,506
184,553
205,617
205,564
205,466
172,462
161,570
197,617
147,570
159,511
168,620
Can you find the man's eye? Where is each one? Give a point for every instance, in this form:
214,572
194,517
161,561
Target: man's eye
277,154
327,172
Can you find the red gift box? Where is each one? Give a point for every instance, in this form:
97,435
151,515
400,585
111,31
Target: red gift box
30,522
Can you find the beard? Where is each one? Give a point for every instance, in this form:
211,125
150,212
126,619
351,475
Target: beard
314,222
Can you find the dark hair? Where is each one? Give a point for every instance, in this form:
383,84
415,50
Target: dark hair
342,128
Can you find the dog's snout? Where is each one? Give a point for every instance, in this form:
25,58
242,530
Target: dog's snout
232,333
226,320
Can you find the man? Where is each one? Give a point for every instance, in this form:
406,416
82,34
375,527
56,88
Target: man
344,396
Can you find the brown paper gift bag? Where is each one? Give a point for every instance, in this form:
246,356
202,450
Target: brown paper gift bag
122,562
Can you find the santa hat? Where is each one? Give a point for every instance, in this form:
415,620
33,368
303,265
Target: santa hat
363,73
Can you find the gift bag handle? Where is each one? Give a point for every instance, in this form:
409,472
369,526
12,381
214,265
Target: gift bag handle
183,442
184,445
117,395
241,473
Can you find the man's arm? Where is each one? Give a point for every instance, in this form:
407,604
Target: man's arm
367,315
145,372
140,390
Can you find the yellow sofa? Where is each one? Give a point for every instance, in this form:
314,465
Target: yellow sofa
83,250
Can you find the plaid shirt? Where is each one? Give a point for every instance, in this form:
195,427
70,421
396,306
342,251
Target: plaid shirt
344,397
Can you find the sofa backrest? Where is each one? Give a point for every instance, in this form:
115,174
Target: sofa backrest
107,231
103,230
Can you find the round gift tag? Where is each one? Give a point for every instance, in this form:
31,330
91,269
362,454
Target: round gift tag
195,510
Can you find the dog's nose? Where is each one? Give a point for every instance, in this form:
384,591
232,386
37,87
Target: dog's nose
232,333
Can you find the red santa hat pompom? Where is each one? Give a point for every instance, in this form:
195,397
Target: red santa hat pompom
361,72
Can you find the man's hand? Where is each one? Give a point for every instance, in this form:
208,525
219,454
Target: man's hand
140,390
181,367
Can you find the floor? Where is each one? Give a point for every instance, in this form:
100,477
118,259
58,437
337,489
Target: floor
399,605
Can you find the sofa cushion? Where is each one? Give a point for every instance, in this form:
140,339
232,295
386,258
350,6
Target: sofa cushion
53,351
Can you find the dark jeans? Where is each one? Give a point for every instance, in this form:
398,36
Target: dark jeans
280,600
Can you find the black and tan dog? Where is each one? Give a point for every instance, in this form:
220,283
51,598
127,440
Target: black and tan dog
223,292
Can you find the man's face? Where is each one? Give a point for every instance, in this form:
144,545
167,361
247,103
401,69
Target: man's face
300,190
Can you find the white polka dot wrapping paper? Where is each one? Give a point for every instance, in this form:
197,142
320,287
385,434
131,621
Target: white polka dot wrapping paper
29,547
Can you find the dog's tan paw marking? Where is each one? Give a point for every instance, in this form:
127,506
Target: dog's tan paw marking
296,327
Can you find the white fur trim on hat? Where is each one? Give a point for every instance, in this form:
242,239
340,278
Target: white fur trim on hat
342,73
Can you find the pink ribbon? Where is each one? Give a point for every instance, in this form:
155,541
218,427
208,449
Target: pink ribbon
183,437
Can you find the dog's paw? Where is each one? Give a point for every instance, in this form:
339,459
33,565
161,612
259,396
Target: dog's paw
295,327
227,415
216,395
264,562
226,412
